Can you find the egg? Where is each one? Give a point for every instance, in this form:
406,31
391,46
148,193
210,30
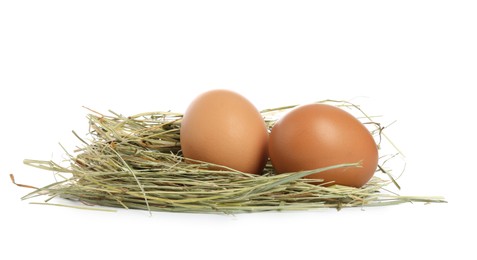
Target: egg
319,135
224,128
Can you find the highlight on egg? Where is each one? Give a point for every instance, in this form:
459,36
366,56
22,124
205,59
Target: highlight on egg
318,135
224,128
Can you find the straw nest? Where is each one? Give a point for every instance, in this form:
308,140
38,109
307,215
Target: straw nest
134,162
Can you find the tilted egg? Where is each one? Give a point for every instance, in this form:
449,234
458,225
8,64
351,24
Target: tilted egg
318,135
224,128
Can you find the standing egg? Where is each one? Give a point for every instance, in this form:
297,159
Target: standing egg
318,135
224,128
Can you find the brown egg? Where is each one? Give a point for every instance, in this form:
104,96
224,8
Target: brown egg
224,128
317,135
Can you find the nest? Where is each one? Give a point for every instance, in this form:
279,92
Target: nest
134,162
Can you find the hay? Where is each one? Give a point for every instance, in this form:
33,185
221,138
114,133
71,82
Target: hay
135,163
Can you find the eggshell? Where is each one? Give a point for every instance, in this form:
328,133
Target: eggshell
224,128
318,135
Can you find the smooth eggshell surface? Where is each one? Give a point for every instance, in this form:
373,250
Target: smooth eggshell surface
224,128
318,135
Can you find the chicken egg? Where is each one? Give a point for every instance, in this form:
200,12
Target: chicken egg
224,128
318,135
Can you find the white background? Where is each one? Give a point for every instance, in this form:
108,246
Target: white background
411,61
